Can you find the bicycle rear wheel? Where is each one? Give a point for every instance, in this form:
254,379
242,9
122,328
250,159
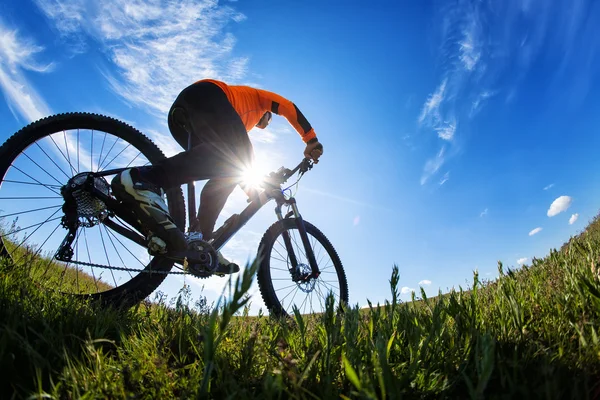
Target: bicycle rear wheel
279,291
35,164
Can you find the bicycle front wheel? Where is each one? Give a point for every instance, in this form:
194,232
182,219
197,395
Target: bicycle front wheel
280,291
58,153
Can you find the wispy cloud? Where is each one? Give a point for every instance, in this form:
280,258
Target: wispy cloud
430,111
470,49
483,213
267,135
479,102
344,199
18,54
559,205
573,218
487,49
534,231
432,166
446,129
356,220
550,186
158,47
445,178
425,282
522,261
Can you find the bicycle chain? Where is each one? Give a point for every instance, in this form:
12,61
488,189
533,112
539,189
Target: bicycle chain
130,269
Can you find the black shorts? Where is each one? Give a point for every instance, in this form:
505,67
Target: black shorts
205,109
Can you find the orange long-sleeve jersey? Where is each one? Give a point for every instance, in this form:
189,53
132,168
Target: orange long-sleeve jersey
251,104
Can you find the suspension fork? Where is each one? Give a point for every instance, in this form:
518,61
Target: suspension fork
303,236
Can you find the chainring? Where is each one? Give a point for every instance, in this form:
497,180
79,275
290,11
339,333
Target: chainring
209,261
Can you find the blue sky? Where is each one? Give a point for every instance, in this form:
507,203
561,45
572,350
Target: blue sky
456,133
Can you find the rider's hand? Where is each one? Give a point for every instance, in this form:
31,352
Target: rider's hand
313,150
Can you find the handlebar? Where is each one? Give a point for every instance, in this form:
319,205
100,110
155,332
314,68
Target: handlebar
275,179
283,174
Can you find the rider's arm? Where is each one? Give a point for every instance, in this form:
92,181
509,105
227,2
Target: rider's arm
282,106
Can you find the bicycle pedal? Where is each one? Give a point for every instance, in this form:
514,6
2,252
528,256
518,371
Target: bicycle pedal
156,246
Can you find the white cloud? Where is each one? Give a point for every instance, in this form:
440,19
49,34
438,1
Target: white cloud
263,135
573,218
425,282
522,261
356,220
158,47
484,213
432,166
470,52
479,102
536,230
445,178
559,205
432,105
17,54
446,130
406,290
549,186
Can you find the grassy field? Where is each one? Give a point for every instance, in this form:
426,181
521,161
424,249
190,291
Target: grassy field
533,333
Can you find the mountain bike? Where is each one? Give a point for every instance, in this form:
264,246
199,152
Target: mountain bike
61,222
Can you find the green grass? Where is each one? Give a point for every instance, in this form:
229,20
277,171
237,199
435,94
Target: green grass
533,333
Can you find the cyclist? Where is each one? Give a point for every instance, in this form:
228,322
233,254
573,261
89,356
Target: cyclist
211,120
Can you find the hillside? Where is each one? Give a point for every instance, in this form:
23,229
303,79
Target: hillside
533,333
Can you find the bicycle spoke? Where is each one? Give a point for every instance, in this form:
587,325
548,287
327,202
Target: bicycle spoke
40,250
77,258
106,156
298,248
125,247
117,251
31,226
107,165
283,258
90,260
34,231
327,284
293,297
37,182
29,211
92,152
302,306
51,159
287,287
29,197
106,254
135,158
320,299
290,292
47,173
49,186
68,156
101,150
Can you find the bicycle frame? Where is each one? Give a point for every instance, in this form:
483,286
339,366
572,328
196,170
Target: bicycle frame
231,226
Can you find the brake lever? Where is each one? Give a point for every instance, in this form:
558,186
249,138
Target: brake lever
305,166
